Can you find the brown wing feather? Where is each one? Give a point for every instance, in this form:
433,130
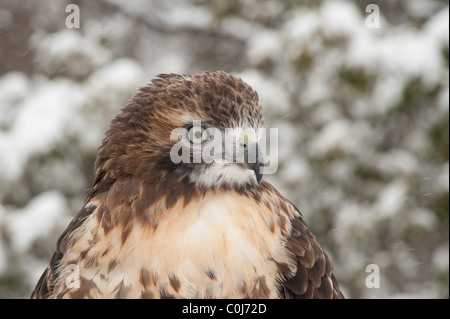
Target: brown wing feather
314,277
46,282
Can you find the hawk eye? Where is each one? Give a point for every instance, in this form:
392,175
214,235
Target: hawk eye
197,134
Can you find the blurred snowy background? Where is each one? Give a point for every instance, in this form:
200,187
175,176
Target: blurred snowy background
362,113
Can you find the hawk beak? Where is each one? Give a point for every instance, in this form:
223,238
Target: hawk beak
250,158
246,153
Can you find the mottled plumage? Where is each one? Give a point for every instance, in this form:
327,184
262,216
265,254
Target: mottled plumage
152,228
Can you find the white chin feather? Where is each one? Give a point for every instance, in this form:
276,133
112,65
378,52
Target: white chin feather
221,174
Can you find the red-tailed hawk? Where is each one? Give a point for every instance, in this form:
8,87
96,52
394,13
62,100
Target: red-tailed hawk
152,227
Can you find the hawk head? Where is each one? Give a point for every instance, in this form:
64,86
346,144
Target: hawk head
201,130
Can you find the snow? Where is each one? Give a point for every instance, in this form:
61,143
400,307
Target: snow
441,258
295,170
356,155
288,138
386,95
261,10
52,111
301,27
443,177
188,16
351,216
135,6
271,93
68,52
391,199
397,161
237,27
264,45
325,113
36,220
45,116
168,63
339,136
438,27
406,53
421,7
13,88
422,217
340,18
